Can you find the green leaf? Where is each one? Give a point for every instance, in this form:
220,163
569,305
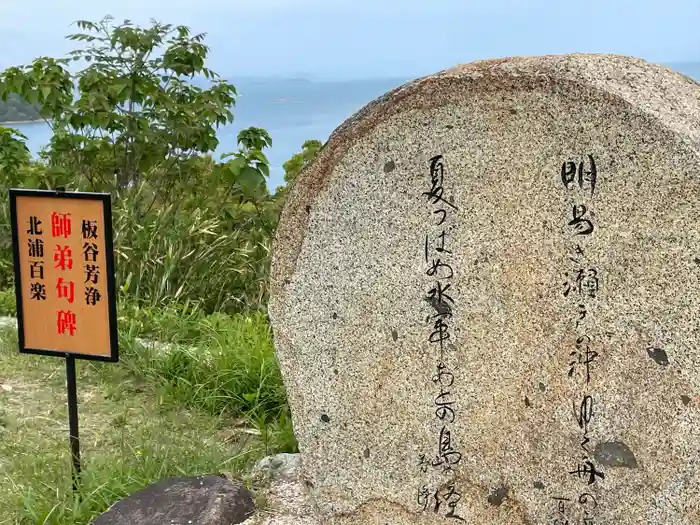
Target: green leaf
116,89
250,177
259,156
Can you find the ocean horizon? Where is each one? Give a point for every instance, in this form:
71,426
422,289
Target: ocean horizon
292,110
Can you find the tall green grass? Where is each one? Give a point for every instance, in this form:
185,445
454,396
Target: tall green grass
221,364
196,250
200,243
131,436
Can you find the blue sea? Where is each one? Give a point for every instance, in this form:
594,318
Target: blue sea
292,111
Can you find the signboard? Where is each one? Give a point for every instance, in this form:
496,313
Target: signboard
64,274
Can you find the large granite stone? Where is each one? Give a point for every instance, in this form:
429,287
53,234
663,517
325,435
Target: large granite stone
197,500
545,365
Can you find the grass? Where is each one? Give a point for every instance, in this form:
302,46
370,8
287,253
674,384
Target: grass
8,305
212,402
213,399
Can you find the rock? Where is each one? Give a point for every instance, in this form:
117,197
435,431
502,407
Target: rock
487,283
286,494
201,500
278,466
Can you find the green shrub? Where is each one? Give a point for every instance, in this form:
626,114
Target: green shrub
203,250
8,304
221,364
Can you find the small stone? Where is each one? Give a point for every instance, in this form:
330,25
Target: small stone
279,466
615,454
658,355
497,497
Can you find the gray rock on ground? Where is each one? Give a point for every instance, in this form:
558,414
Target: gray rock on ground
200,500
279,466
285,492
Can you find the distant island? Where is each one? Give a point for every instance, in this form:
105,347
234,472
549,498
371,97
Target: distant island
267,99
16,110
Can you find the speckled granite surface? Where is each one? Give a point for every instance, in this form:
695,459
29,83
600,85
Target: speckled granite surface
511,336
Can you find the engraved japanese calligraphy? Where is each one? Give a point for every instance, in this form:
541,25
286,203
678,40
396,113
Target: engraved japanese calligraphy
437,258
582,283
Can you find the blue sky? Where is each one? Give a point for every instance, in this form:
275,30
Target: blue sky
369,38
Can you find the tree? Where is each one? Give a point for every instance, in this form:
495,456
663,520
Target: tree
13,153
134,113
138,118
299,161
14,156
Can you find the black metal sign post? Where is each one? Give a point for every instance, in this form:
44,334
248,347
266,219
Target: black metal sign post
64,284
73,419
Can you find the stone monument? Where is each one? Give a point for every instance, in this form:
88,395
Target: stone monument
485,299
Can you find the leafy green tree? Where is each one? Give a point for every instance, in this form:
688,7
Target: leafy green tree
138,118
14,156
13,153
301,160
133,114
294,166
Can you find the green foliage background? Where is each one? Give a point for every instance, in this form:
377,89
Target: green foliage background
127,120
192,233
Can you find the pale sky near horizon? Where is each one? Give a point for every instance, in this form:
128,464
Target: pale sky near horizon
363,38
